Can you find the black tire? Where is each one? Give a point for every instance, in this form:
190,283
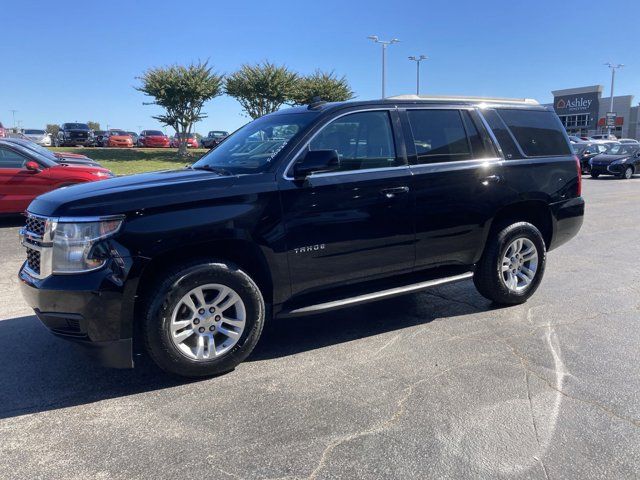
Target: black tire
594,175
162,299
627,174
488,277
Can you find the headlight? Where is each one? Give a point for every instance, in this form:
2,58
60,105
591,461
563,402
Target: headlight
73,243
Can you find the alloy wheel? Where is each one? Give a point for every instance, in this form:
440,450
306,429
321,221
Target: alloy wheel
207,322
519,264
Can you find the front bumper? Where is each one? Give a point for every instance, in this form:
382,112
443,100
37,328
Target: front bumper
609,169
94,309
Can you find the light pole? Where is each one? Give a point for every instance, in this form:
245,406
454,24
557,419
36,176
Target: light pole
613,78
418,60
14,118
385,44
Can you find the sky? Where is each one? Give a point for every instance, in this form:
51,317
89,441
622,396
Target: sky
79,61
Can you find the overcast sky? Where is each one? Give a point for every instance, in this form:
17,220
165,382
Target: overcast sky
78,61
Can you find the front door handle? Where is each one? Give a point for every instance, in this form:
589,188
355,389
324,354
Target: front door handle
491,179
392,192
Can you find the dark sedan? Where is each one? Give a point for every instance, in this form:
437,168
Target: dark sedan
622,160
586,151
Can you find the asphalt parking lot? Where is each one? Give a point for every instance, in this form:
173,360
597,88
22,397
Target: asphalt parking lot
434,385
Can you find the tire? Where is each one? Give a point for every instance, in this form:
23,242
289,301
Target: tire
166,306
489,277
627,174
594,175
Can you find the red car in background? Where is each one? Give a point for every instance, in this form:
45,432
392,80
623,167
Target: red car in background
153,138
118,138
2,132
25,174
192,141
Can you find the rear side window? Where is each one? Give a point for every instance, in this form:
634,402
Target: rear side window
499,129
539,133
439,136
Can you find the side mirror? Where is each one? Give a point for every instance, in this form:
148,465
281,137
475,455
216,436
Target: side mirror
316,161
32,166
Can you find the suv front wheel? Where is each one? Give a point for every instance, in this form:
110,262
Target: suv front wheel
203,319
512,265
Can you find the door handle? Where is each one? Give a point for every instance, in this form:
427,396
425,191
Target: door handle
392,192
491,179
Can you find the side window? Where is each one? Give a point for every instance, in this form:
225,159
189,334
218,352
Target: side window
439,135
11,159
363,140
499,129
539,133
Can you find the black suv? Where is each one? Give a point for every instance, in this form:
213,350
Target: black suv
73,134
303,211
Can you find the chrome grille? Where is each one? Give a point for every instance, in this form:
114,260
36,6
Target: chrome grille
33,260
35,225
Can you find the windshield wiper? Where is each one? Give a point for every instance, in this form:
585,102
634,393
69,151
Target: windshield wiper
209,168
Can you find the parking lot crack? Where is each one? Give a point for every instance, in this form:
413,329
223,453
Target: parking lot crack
534,424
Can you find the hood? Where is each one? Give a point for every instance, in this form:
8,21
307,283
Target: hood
604,159
147,191
120,137
78,161
80,168
76,130
157,137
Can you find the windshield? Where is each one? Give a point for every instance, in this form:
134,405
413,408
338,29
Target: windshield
34,147
34,155
623,149
75,126
217,134
118,133
34,132
252,148
154,133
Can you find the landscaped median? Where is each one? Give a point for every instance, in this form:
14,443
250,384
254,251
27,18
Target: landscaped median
126,161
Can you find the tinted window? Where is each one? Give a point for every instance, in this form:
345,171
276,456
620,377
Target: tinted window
10,159
362,140
539,133
439,135
508,146
75,126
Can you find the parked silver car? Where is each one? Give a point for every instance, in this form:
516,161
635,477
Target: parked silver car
41,137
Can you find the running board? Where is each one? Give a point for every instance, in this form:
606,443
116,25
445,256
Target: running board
374,296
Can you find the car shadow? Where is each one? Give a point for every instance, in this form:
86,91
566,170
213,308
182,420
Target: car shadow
41,372
11,221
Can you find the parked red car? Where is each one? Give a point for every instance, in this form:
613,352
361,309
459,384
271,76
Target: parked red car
192,141
153,138
2,131
25,174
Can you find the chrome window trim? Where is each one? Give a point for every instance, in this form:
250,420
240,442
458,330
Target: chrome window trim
387,109
353,172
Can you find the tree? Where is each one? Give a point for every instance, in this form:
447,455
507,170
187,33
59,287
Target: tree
181,91
322,86
93,125
262,88
53,129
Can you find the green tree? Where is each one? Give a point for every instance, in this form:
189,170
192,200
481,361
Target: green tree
181,91
322,86
262,88
93,125
53,129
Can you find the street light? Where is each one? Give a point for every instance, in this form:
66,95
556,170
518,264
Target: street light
14,118
418,60
385,44
613,77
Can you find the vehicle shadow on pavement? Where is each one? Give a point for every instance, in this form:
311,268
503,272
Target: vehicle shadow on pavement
40,372
11,221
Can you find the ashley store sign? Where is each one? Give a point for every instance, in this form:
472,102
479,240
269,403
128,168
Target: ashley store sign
576,104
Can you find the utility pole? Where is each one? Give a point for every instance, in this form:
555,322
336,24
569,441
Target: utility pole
385,44
418,60
613,78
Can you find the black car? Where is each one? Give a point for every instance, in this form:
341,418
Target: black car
213,138
99,138
301,212
621,160
74,134
58,157
134,138
586,151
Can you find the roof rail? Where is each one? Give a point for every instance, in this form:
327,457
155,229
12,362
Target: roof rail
456,98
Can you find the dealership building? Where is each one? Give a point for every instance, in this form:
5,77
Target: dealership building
583,111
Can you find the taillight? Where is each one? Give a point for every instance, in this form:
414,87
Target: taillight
579,167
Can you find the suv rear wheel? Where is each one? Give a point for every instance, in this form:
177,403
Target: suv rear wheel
512,265
203,319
